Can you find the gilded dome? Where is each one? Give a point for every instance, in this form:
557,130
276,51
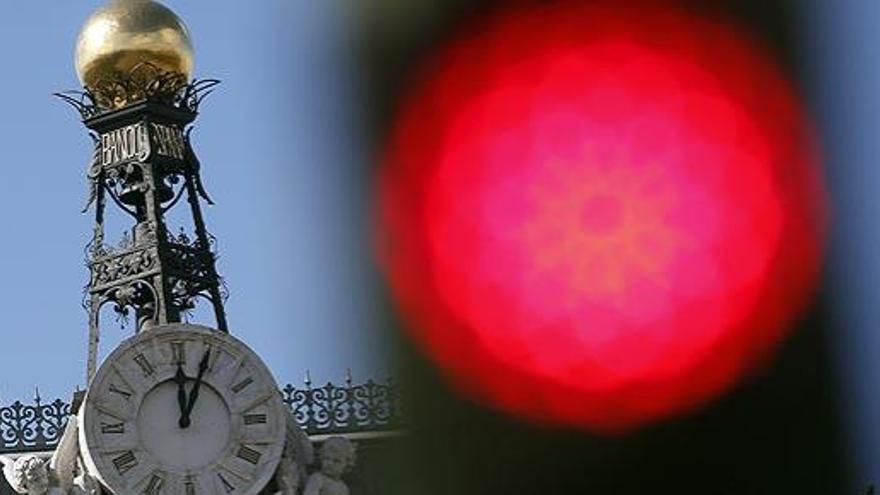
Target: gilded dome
126,33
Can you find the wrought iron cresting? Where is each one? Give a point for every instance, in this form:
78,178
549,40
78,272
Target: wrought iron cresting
331,409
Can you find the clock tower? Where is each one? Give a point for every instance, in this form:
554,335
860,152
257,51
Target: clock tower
135,59
175,408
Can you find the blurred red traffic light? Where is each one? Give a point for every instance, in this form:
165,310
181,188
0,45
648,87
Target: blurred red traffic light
600,216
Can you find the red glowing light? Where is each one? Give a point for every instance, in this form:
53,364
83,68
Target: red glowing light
600,216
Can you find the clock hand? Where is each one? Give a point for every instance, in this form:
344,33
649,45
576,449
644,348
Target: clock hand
194,395
180,378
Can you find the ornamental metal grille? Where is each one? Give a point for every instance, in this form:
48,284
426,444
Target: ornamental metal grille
331,409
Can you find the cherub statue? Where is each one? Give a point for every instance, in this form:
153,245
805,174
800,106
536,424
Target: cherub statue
60,475
298,453
28,474
337,456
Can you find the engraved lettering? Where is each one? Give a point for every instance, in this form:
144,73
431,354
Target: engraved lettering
160,140
143,139
169,141
106,155
123,143
127,143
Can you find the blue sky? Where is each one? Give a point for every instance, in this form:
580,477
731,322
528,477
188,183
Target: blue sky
281,155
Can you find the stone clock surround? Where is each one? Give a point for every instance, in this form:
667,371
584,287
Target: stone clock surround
238,423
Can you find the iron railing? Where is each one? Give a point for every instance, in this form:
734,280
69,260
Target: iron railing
331,409
350,408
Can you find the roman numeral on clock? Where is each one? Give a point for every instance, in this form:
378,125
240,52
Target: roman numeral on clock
144,364
255,419
226,485
238,387
113,428
178,352
154,487
125,462
248,454
118,391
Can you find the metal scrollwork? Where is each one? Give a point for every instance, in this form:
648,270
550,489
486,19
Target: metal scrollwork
190,266
145,82
138,295
333,409
29,428
110,269
93,173
126,179
368,407
195,165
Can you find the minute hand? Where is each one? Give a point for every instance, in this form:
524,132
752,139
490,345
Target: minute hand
180,379
194,395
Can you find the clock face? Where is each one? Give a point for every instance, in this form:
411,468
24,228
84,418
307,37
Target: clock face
150,425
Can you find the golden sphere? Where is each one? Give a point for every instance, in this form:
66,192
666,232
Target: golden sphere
126,33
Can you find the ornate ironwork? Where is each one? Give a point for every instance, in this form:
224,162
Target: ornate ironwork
144,164
32,427
128,265
331,409
145,82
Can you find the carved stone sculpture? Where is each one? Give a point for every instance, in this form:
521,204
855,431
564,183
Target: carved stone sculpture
337,457
60,475
298,453
28,474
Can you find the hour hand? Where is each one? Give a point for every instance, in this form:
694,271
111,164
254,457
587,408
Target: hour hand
180,378
194,395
